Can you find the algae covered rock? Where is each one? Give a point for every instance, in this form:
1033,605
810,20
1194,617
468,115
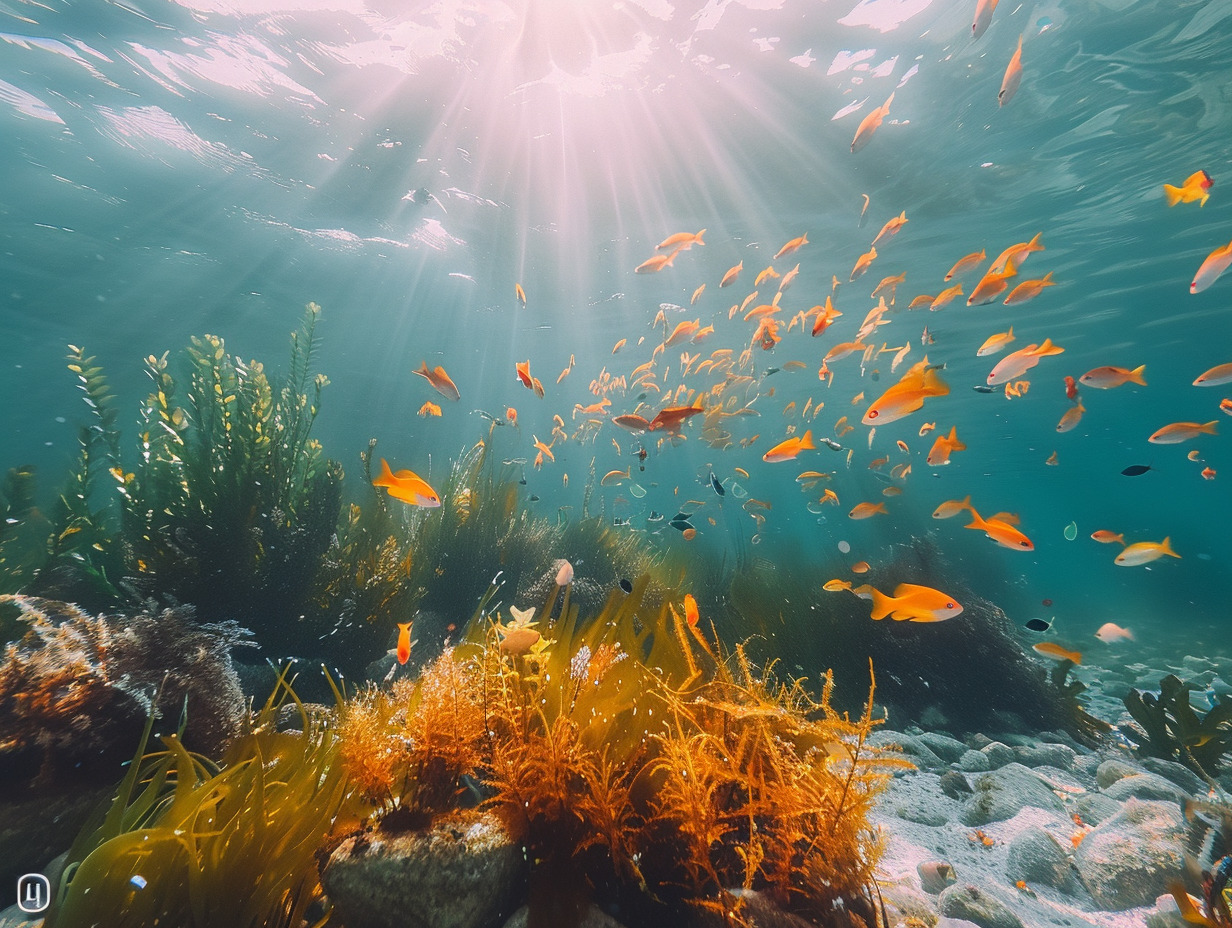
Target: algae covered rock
1129,859
1035,856
459,874
1001,794
969,902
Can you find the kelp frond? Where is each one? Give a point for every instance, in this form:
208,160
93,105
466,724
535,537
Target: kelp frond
182,834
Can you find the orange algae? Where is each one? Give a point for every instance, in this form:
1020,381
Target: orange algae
636,761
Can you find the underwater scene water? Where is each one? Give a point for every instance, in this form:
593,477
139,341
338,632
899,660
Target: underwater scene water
620,369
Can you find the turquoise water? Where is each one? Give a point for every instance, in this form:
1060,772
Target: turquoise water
172,169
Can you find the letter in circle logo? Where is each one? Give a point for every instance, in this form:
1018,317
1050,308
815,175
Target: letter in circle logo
33,892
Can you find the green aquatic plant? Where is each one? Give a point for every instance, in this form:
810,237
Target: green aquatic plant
23,535
636,761
1168,727
191,843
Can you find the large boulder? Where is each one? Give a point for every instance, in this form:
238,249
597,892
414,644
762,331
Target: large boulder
461,873
1003,793
1130,858
1036,857
969,902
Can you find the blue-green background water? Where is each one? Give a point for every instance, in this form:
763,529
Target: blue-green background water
210,166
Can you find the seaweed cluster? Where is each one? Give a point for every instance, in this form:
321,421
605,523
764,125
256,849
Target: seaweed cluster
188,842
1168,727
75,689
637,763
230,503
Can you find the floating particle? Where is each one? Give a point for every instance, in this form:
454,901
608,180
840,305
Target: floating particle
1071,531
1038,625
844,547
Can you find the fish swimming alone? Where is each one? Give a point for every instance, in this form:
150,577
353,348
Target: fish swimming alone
407,486
910,602
869,125
1196,187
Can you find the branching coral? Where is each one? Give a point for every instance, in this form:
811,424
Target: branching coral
76,687
189,843
635,761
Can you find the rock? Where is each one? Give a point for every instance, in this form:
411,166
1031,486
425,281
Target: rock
935,875
1112,770
1146,786
916,751
595,917
1002,793
1046,755
1128,859
978,741
947,748
906,905
974,762
955,785
1179,774
922,811
757,911
963,900
1093,808
34,829
944,922
1035,856
998,754
459,874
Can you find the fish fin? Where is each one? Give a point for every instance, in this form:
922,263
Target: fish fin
1185,905
1209,428
1009,270
1046,280
403,626
387,476
807,441
697,239
1166,547
1173,194
882,605
1136,375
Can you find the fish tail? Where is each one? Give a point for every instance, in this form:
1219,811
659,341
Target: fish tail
403,626
387,476
807,441
1166,547
1209,428
882,605
1173,194
697,239
1136,375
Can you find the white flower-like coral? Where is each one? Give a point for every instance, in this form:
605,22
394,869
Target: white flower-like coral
518,637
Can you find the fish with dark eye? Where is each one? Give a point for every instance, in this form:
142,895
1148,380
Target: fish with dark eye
910,602
407,486
1013,77
716,485
1136,470
1196,187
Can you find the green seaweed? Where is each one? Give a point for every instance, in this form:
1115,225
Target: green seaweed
190,843
1168,727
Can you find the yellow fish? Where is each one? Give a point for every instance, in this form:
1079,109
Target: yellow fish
1195,188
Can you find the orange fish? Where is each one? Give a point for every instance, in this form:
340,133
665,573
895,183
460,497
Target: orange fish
869,125
825,315
764,275
1143,552
787,450
1106,378
696,294
683,330
910,602
1103,536
1215,264
991,285
511,415
944,297
522,368
995,343
920,382
1178,432
682,239
943,446
439,379
690,609
632,422
1052,460
1208,473
404,642
983,16
860,567
657,263
863,263
1195,188
1056,652
962,265
867,510
429,409
731,275
952,507
1017,253
1071,418
1001,531
673,417
924,299
888,284
842,350
1013,77
788,278
1017,363
794,245
891,228
1029,290
406,486
1216,376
